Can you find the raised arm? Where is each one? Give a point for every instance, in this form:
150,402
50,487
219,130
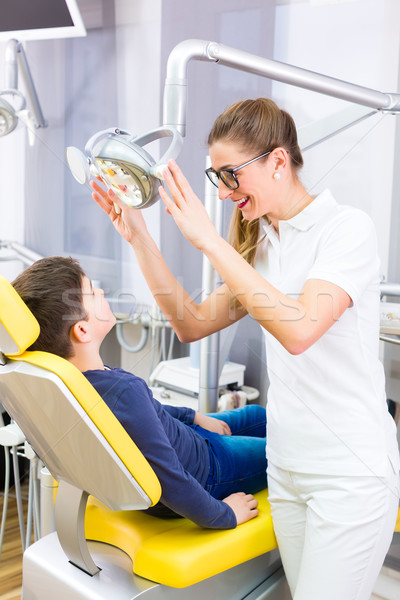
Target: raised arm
295,322
189,320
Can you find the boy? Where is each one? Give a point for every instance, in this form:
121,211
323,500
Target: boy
208,467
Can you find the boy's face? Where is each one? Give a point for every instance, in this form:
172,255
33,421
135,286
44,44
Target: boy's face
99,314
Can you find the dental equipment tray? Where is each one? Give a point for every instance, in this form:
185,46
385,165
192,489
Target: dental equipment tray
390,318
179,375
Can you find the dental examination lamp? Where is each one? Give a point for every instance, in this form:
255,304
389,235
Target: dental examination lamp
9,114
121,161
123,164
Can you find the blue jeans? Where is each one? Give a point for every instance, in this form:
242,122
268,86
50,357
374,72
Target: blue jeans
237,462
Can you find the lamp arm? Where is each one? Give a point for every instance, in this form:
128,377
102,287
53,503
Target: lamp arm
11,65
175,92
15,57
30,87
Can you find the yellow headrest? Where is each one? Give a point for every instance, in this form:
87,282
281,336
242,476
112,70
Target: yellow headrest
18,327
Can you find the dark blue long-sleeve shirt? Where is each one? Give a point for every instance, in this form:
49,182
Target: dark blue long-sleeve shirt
165,435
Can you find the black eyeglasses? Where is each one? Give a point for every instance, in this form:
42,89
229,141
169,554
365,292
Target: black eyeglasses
227,176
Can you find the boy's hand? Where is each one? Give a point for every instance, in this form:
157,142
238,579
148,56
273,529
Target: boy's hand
243,505
212,424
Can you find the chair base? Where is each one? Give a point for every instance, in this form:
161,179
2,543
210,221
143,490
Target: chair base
48,575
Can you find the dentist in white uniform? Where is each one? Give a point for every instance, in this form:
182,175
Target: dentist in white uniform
306,268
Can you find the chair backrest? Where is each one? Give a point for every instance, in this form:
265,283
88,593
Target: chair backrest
66,422
18,327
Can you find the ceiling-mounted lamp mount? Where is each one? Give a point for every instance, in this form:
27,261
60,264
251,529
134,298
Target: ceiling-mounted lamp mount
15,59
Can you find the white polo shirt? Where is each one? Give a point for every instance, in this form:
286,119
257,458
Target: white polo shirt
327,410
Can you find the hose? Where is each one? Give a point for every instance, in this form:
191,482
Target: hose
124,344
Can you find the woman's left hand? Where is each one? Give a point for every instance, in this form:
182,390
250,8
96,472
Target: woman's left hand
212,424
186,208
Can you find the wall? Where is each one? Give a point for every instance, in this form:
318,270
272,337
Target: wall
354,41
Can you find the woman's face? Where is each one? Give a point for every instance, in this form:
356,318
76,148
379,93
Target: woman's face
255,195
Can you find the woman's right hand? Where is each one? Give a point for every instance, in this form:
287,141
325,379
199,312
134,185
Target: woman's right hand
129,222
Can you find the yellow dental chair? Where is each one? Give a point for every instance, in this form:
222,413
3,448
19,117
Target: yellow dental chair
105,547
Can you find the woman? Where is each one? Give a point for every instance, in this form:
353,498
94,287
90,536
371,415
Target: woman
307,270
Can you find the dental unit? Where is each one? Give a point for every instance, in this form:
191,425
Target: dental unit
168,560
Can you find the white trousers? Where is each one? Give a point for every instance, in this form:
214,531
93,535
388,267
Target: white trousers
333,532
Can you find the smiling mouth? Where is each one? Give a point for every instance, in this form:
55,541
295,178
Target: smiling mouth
242,202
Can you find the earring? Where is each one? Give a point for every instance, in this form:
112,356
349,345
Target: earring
277,176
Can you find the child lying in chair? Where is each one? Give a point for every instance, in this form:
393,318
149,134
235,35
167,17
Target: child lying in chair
208,467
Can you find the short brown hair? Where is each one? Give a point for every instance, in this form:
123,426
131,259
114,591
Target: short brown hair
52,289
